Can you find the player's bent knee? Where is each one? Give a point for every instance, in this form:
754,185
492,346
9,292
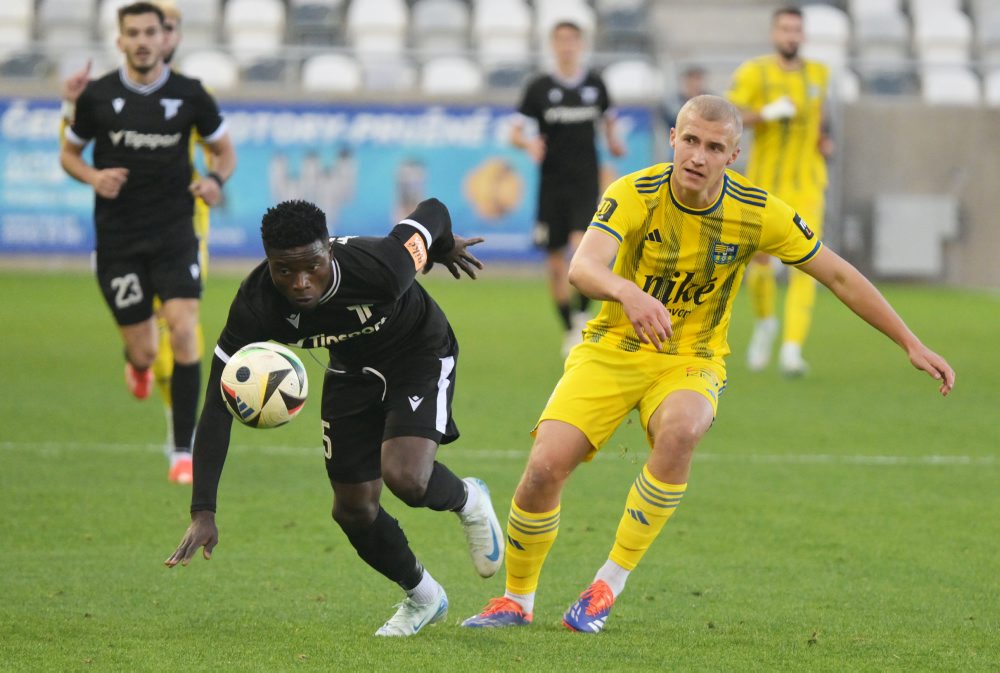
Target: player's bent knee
409,488
357,517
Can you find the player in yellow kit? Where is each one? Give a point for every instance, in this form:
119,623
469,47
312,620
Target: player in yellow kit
665,253
782,96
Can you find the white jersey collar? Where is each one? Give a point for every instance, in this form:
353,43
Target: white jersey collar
143,89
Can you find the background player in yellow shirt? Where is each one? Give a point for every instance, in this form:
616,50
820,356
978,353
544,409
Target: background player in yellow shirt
665,253
163,366
782,97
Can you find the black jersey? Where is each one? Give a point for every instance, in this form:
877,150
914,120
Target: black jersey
374,316
567,113
146,129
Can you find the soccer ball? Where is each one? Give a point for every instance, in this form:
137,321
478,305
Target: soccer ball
264,385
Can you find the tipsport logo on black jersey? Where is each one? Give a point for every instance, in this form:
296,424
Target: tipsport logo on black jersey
327,340
144,141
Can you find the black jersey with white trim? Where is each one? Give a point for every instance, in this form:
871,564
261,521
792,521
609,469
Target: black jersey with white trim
374,315
146,129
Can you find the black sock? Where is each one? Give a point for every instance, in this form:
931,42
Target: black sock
565,314
184,387
383,546
445,492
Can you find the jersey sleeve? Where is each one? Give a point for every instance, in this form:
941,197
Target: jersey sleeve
786,235
529,106
84,126
621,210
208,120
603,97
426,233
744,89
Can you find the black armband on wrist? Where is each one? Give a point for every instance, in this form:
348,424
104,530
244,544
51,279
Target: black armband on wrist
212,175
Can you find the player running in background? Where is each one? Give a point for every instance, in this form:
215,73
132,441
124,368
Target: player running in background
782,97
387,392
566,104
141,119
666,253
163,366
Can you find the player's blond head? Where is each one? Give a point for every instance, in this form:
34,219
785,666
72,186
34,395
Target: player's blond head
170,9
713,109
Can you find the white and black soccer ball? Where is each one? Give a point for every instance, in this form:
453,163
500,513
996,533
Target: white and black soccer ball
264,385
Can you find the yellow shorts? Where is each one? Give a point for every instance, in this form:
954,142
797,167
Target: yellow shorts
600,386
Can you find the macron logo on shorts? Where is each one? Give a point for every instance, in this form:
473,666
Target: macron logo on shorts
415,401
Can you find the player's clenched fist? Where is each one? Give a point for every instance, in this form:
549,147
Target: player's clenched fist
108,182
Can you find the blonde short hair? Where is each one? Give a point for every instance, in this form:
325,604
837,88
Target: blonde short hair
713,109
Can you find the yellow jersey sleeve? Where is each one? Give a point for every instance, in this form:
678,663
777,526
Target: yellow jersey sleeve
622,211
746,86
786,235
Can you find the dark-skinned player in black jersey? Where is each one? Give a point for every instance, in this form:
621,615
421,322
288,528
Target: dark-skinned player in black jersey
387,392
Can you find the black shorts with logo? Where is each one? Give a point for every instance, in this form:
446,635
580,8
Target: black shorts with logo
411,398
563,208
130,276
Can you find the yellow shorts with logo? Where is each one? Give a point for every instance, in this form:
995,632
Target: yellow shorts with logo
600,386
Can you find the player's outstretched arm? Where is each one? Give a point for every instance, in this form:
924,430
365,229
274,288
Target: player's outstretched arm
858,294
590,273
201,533
459,259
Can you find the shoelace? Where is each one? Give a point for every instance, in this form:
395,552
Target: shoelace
502,604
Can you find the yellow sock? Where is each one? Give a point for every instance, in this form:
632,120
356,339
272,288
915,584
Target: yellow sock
529,539
762,288
799,302
163,365
649,504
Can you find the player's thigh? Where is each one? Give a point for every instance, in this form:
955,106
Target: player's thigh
686,415
598,389
175,269
125,283
419,392
352,422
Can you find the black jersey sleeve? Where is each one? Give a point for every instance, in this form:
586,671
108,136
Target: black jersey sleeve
432,221
530,104
84,124
208,119
603,97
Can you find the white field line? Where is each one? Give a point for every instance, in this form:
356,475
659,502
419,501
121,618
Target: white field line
56,448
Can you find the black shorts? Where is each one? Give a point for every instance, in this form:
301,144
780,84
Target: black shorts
563,208
413,399
130,276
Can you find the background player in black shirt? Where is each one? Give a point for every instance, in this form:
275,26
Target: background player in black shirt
566,104
140,118
387,392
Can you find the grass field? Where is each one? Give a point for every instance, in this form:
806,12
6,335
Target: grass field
847,521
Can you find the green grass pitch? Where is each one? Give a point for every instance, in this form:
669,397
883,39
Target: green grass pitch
847,521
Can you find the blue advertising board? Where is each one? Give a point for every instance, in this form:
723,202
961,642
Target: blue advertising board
365,166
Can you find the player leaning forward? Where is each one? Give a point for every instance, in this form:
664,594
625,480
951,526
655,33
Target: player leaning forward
386,394
665,252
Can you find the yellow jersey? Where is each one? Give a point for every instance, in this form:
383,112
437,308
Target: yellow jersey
692,260
784,157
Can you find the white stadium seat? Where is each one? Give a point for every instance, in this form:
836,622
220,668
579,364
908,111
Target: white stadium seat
502,31
450,75
634,80
377,26
992,88
65,24
440,26
950,85
217,70
550,12
254,29
331,72
942,36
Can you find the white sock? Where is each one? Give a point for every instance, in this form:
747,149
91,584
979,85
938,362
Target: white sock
178,455
471,499
614,575
426,591
526,601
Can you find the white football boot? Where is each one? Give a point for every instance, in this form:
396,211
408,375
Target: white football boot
482,530
790,360
412,616
762,343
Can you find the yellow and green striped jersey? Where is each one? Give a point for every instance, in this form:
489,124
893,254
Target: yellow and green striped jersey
784,157
691,260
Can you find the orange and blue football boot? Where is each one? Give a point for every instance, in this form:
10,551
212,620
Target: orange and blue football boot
590,611
499,612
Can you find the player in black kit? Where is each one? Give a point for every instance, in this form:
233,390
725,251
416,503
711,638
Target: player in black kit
387,391
140,118
566,104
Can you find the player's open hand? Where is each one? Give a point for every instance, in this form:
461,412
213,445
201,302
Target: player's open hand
108,182
74,85
649,318
207,190
201,533
924,358
459,259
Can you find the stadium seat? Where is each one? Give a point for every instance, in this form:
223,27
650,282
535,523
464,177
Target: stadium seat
450,76
846,86
377,26
440,26
65,23
634,80
502,31
316,22
508,76
827,32
107,24
987,25
254,29
949,85
549,12
388,73
200,23
992,88
217,70
917,7
331,72
942,36
266,71
28,65
624,30
855,7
